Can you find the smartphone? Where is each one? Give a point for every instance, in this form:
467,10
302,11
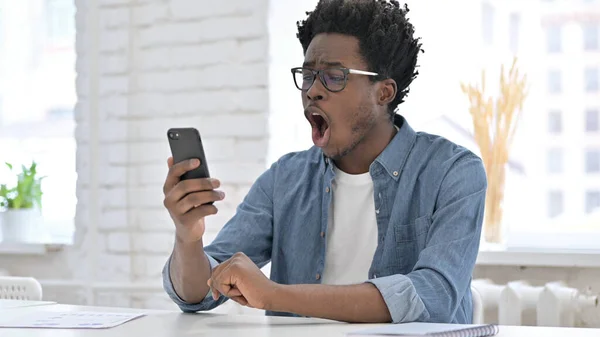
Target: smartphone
186,144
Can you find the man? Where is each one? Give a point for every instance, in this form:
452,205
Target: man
375,223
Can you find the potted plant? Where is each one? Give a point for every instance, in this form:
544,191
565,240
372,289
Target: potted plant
21,205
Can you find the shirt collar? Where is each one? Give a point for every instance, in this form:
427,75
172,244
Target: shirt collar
393,158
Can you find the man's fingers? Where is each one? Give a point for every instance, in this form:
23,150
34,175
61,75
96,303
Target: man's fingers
234,292
176,171
169,162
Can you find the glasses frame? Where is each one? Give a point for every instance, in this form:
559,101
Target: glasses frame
321,74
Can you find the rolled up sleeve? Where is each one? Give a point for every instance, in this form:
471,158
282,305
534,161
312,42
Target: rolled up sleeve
439,281
207,303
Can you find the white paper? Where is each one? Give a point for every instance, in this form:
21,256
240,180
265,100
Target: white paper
8,304
70,320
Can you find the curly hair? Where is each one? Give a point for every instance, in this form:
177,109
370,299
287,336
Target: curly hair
385,37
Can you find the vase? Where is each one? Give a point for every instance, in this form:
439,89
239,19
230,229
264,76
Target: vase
20,225
493,229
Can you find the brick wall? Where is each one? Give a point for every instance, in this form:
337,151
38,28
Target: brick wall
144,66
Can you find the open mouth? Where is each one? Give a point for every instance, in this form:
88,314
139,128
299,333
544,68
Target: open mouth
320,127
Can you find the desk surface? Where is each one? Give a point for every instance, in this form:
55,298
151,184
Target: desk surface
168,323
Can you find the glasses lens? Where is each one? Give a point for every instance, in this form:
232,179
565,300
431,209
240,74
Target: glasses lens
303,78
335,79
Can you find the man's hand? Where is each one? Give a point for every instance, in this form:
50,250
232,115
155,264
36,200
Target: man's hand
242,281
187,200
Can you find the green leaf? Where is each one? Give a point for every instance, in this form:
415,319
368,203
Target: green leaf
9,166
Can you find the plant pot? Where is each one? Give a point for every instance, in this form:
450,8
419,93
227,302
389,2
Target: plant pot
20,225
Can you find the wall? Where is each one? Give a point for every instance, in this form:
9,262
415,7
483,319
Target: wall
144,66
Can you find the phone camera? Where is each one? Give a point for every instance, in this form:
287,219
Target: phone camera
173,135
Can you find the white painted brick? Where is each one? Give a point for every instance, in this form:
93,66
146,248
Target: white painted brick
113,198
82,85
113,64
112,18
238,76
240,125
153,243
150,13
151,152
234,27
112,131
111,220
148,266
118,242
240,173
113,106
251,99
249,150
150,104
219,149
186,9
214,77
255,50
103,3
204,101
114,40
113,154
204,54
213,29
152,174
157,219
154,59
111,85
113,176
147,196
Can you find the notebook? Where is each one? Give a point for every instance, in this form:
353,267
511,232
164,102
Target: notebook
431,330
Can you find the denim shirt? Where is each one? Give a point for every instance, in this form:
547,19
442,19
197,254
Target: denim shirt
429,203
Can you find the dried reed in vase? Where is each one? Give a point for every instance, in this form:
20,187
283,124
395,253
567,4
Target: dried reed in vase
495,123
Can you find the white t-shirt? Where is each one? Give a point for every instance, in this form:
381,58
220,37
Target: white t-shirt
351,230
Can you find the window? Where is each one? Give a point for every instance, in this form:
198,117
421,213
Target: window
554,122
592,201
592,77
555,203
592,120
36,119
555,161
592,161
487,23
553,38
591,36
60,19
554,82
514,31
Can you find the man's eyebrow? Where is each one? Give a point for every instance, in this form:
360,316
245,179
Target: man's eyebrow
327,63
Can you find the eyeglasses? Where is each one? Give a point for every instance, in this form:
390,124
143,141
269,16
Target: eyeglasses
334,79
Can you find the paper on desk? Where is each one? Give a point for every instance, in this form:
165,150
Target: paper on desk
8,304
70,320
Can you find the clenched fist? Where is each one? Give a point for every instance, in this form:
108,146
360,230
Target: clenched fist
188,201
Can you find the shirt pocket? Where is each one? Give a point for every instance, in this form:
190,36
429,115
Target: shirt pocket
410,240
415,231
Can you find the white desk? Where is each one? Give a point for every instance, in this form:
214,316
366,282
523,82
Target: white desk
174,324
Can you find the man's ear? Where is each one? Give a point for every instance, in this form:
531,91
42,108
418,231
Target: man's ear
387,91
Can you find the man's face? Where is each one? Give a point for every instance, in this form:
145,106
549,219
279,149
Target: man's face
339,120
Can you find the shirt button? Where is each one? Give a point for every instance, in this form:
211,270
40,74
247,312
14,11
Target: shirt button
318,276
395,173
322,234
327,189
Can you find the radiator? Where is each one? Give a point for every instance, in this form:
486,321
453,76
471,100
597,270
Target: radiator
553,304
